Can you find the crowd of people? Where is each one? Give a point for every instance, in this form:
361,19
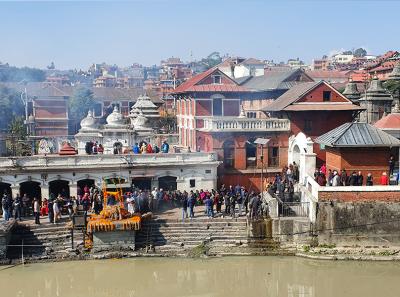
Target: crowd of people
233,201
333,178
94,148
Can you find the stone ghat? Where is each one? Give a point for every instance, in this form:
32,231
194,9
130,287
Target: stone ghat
214,237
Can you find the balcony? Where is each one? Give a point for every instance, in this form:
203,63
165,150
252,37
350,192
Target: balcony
236,124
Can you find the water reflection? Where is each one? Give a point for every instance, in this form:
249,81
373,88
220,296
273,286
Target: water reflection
245,277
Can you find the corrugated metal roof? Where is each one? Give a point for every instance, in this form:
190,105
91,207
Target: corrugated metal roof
357,135
271,80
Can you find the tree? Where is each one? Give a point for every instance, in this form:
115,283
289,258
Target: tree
10,106
212,60
14,74
360,52
80,103
347,53
17,144
393,86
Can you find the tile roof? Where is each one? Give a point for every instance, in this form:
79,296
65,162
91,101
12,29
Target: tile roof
291,96
357,135
192,84
389,122
252,61
288,100
327,74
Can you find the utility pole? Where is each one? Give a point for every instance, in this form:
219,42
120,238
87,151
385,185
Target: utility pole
262,142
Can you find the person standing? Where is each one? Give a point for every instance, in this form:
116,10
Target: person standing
17,207
360,179
191,204
336,179
36,210
50,206
232,203
391,165
384,179
184,205
370,179
165,147
4,206
56,211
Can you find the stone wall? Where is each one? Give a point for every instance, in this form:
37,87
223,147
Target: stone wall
115,240
5,236
359,223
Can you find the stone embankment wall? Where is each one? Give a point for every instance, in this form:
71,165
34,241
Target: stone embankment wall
5,236
358,223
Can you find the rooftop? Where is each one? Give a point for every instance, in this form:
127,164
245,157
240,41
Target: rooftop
288,101
357,135
273,80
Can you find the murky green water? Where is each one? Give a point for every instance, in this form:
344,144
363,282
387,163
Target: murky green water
245,277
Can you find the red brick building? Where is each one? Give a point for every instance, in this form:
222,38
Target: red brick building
359,147
313,109
210,118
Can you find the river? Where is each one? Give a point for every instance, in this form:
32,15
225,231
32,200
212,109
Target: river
236,276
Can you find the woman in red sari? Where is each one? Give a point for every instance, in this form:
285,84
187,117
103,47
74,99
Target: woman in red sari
44,209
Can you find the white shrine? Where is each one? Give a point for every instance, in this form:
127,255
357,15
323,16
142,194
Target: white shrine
120,132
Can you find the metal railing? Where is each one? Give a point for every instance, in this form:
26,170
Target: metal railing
293,209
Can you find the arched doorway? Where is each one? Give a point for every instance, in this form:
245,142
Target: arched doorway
167,183
142,183
296,154
31,189
59,187
229,153
83,183
4,189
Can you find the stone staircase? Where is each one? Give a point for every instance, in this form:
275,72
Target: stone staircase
45,241
216,237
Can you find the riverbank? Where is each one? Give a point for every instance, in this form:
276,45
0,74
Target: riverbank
316,253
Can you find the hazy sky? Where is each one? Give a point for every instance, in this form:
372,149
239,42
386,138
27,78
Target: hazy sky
75,34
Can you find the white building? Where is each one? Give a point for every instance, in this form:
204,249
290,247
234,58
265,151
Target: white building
342,58
39,176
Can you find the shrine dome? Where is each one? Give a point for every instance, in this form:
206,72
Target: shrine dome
89,122
115,119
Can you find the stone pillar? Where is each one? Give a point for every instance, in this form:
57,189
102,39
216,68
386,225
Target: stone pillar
308,162
15,191
154,182
181,184
73,189
44,189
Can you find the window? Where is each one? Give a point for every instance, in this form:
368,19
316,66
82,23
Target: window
326,96
251,152
192,183
229,154
251,115
217,106
273,157
217,80
307,125
208,171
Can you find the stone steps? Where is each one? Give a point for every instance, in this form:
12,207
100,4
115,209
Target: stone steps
222,236
45,240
